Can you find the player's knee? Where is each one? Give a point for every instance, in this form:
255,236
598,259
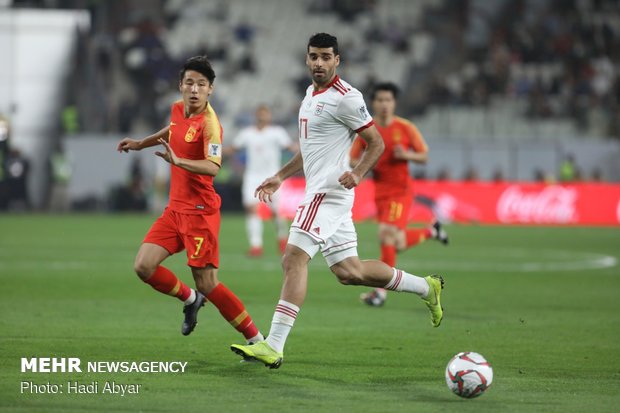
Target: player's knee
206,279
290,263
294,259
143,269
387,237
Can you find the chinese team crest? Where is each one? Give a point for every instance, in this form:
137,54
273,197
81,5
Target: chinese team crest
189,135
396,136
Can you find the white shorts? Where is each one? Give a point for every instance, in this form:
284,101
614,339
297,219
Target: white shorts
324,221
248,187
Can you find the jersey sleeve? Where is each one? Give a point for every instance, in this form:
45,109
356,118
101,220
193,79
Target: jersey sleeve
352,111
416,139
213,137
241,140
284,140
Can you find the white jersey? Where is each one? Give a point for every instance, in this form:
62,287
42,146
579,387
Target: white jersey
328,122
263,150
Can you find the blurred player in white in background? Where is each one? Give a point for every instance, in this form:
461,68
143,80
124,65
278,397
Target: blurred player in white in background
263,143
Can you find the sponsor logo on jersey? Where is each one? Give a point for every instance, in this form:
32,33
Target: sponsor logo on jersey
215,149
317,230
191,132
363,112
319,109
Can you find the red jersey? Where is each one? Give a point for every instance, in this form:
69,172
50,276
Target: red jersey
196,137
391,175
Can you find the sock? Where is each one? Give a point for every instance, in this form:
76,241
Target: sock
233,311
191,298
388,254
402,281
255,339
417,235
254,227
281,324
164,281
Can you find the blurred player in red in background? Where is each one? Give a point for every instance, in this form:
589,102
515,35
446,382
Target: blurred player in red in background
263,143
393,185
193,146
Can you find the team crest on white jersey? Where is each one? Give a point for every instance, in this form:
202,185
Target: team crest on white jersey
363,112
319,109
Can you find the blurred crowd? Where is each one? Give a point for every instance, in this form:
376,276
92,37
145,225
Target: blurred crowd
560,56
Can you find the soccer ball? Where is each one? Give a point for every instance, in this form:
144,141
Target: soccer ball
468,374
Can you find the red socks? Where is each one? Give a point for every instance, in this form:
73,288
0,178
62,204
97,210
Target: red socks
416,236
164,281
232,310
388,254
413,236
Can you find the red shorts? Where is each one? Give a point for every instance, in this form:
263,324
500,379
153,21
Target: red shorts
394,210
196,233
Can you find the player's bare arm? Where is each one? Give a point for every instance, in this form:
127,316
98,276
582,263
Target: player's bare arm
197,166
229,151
293,148
270,185
410,155
370,156
129,144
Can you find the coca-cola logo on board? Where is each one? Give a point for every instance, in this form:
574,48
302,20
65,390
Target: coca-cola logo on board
552,205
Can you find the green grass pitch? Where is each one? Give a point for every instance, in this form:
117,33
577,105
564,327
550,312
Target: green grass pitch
541,303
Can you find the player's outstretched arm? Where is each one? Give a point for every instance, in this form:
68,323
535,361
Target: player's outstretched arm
197,166
229,150
374,149
418,150
410,155
271,184
129,144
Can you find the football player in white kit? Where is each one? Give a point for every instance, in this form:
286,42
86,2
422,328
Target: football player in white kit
330,116
263,143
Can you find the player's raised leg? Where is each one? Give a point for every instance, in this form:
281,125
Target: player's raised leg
415,236
374,273
439,233
388,237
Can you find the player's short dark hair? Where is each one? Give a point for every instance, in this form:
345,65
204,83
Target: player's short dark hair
198,64
387,87
323,41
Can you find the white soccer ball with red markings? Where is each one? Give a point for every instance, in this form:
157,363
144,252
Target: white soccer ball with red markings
468,374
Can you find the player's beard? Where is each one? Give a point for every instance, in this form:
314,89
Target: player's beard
324,79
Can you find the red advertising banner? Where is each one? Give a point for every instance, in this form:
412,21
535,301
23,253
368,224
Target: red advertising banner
488,202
